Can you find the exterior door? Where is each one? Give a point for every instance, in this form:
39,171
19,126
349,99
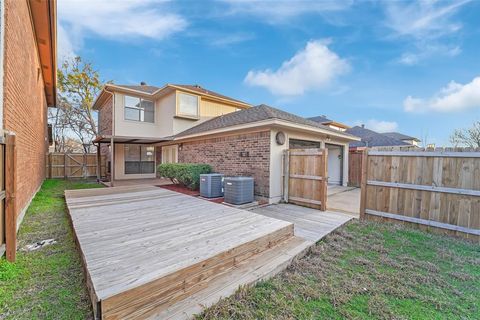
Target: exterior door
170,154
335,163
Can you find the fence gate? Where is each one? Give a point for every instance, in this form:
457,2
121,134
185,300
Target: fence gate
8,213
73,165
305,177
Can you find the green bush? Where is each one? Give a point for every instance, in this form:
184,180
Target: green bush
187,174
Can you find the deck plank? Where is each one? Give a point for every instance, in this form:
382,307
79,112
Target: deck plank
310,224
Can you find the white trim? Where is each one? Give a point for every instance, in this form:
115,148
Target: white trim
425,222
450,154
432,188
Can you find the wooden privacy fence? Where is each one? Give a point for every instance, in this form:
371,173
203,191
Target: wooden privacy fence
305,177
74,165
438,190
8,212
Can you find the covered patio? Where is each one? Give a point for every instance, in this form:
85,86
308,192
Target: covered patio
130,160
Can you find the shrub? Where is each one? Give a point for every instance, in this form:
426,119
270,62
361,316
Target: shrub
187,174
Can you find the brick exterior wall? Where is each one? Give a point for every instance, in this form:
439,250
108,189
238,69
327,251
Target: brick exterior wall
223,154
105,118
25,105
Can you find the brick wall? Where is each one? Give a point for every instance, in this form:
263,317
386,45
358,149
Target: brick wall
105,118
223,154
25,105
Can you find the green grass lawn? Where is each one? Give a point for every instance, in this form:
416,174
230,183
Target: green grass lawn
362,271
46,283
368,271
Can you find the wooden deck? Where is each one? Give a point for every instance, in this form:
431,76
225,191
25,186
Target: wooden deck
151,252
310,224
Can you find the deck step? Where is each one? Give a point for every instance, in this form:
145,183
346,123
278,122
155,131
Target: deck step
157,295
258,267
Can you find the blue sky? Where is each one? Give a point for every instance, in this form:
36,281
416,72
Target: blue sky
408,66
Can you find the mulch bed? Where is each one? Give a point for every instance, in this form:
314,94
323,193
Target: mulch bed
185,190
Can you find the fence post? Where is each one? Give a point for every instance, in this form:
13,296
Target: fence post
286,174
363,184
10,203
324,183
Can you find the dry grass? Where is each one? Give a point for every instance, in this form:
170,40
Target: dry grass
368,271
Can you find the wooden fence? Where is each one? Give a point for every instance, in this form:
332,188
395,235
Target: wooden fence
438,190
305,177
74,165
8,213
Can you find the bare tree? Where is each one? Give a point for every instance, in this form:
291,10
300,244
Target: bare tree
467,137
78,85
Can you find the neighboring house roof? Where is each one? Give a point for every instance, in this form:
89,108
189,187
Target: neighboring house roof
400,136
321,119
155,91
371,138
324,120
44,20
252,115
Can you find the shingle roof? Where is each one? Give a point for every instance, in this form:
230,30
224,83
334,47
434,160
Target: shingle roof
400,136
372,139
258,113
142,88
321,119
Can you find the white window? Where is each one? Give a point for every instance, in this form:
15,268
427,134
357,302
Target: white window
138,109
188,105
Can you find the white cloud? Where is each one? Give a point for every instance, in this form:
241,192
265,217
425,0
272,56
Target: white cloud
453,97
379,125
282,10
313,67
114,19
423,19
428,24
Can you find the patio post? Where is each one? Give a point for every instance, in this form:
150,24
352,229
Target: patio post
112,161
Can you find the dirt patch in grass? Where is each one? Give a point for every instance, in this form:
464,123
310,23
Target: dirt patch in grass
46,283
368,271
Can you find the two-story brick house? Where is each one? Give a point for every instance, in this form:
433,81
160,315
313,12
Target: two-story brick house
133,119
148,125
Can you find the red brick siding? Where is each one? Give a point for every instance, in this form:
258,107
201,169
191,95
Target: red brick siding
223,154
25,106
105,118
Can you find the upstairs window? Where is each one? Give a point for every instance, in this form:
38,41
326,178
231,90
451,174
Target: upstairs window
188,105
138,109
